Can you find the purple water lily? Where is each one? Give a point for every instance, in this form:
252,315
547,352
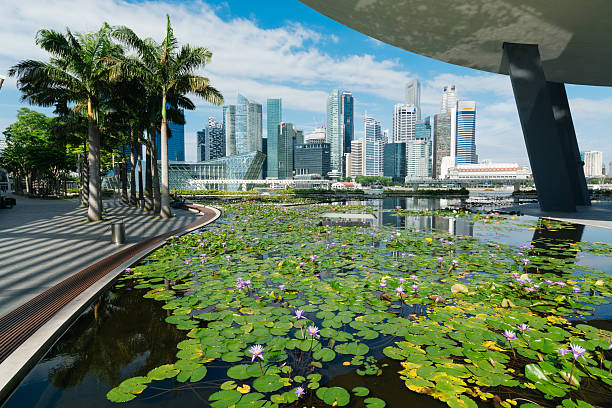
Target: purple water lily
313,331
257,353
399,291
401,280
510,335
299,391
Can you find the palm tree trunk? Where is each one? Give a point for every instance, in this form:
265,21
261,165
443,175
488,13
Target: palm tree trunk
156,190
84,178
165,191
140,181
124,180
148,179
133,169
94,212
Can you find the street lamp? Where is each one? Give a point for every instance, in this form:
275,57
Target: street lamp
2,78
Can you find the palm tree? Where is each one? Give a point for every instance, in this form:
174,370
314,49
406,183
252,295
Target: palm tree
78,74
169,70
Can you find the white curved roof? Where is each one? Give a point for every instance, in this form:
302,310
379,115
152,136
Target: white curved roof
574,37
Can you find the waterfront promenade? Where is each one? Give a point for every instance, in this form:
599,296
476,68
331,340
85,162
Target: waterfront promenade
43,242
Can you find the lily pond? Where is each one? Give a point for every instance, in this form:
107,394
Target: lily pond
351,305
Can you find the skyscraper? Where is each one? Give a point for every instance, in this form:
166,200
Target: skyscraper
176,142
275,117
316,136
395,161
248,126
335,134
201,145
449,98
417,158
229,126
312,158
466,133
357,158
285,150
593,162
404,120
422,131
374,147
413,95
347,115
215,140
442,141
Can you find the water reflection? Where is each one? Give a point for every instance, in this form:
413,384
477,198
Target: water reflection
122,335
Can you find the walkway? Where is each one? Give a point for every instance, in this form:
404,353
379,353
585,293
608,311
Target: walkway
43,242
599,214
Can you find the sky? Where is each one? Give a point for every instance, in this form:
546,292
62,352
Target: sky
282,48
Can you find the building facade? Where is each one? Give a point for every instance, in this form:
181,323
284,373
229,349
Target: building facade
593,162
312,159
201,145
274,118
466,133
176,142
489,171
374,147
285,150
395,161
449,98
215,140
357,158
229,128
417,159
413,95
404,120
442,142
335,135
248,126
348,119
316,136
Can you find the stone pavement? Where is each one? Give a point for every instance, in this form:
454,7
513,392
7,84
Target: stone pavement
42,242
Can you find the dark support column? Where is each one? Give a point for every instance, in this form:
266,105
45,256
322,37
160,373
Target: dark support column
569,144
549,151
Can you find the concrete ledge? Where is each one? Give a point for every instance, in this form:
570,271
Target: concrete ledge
16,366
598,214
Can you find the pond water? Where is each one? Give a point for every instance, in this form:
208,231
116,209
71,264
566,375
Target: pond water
125,334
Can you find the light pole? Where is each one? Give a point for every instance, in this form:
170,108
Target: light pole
2,78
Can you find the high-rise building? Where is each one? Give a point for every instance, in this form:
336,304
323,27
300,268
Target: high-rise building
248,125
229,127
275,117
417,159
357,158
335,134
395,161
374,147
285,150
449,98
593,161
316,136
404,120
466,133
201,145
610,169
176,142
413,95
422,131
442,142
312,159
347,115
215,140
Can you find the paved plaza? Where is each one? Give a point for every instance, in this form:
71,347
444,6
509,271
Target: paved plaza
42,242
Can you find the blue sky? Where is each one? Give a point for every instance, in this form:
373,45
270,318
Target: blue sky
282,48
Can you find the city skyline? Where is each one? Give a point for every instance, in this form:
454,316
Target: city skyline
300,60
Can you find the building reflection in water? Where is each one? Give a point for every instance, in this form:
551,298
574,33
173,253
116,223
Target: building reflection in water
555,239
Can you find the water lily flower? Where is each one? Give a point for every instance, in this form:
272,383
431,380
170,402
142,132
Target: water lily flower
187,262
399,291
383,284
415,287
576,289
410,255
299,314
577,351
299,391
440,259
313,331
281,287
525,261
563,351
510,335
520,254
227,257
561,284
401,280
523,327
128,269
610,346
313,257
549,282
257,352
414,277
455,262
